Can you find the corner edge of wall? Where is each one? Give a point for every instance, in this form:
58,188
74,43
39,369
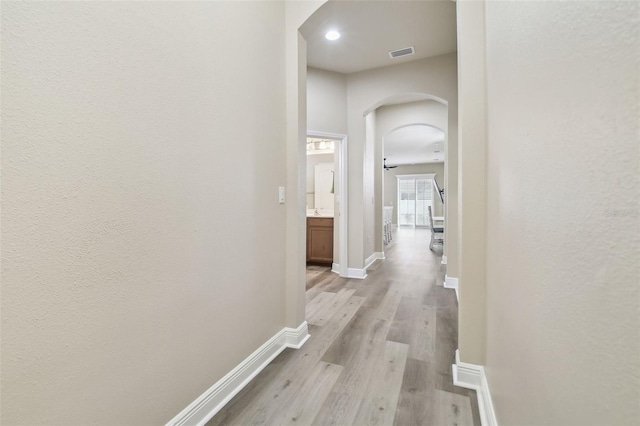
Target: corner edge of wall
452,283
472,376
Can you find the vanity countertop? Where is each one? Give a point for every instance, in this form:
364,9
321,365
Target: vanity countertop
312,213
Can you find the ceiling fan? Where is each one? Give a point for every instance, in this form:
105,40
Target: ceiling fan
384,163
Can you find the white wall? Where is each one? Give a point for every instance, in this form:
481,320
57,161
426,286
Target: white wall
137,148
390,193
563,344
391,117
369,170
472,235
296,114
367,90
326,101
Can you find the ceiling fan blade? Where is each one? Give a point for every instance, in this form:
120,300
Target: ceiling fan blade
384,164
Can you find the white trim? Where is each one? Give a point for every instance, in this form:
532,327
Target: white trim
360,274
472,376
415,96
444,260
341,196
451,282
413,176
375,256
296,337
217,396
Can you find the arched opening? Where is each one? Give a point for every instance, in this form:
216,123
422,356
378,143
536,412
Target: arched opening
414,112
411,149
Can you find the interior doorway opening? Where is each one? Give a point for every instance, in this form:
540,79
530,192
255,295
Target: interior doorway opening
409,135
326,196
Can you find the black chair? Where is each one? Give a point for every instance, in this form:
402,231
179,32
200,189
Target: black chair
437,234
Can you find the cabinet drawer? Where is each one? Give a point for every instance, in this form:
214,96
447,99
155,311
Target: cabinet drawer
319,221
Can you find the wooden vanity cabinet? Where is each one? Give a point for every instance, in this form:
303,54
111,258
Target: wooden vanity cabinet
320,240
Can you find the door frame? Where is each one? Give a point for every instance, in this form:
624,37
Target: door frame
341,210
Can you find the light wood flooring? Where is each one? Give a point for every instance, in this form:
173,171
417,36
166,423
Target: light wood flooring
380,351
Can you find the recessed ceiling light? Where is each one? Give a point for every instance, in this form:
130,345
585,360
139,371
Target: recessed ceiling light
332,35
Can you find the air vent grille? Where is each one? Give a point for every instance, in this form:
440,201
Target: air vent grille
402,52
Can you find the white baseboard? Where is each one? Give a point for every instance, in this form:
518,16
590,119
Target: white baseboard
451,282
375,256
472,376
296,337
217,396
360,274
444,260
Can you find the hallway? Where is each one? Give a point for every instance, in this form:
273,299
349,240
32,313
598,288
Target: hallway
380,351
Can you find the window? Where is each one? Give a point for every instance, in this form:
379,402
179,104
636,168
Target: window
414,198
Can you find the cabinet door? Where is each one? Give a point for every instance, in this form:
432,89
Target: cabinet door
320,240
321,244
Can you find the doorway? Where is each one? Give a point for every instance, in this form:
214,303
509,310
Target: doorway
336,192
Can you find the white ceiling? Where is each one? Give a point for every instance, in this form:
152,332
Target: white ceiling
415,144
370,29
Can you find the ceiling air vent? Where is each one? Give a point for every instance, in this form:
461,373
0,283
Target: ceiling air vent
402,52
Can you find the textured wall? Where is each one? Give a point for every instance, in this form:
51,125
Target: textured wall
143,245
563,329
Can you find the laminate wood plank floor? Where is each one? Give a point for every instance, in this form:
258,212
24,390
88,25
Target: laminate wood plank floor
380,351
